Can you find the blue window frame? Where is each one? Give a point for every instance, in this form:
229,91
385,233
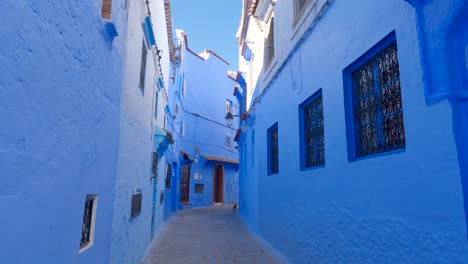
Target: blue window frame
374,110
273,150
312,135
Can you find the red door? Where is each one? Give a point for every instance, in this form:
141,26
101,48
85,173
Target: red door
218,183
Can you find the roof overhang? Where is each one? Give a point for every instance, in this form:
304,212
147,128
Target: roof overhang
216,159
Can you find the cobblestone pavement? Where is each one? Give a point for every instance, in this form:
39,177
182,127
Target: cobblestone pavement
207,235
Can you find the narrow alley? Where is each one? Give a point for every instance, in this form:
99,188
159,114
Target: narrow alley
208,235
337,128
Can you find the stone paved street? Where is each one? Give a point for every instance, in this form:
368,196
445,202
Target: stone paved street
208,235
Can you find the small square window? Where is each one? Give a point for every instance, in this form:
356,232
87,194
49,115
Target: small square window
136,204
199,188
312,134
89,220
373,101
273,150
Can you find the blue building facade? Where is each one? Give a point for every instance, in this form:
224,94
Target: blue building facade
203,159
353,146
140,181
61,73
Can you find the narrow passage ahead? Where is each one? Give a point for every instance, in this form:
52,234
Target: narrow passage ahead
207,235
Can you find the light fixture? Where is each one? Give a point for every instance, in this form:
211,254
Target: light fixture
230,118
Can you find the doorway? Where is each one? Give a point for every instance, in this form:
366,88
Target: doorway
154,178
174,188
185,184
218,183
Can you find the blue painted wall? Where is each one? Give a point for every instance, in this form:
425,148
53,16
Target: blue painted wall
443,27
400,208
142,110
60,86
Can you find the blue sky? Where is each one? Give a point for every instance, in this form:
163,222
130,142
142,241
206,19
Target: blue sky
210,24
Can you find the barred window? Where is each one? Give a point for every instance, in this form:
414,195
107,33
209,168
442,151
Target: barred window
199,188
376,104
144,54
273,151
312,131
136,205
89,219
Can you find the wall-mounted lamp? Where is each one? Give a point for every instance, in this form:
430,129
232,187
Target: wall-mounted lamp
230,118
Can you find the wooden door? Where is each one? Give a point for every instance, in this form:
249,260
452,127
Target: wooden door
218,183
185,183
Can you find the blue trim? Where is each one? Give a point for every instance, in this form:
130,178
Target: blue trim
302,150
149,34
348,99
159,83
274,126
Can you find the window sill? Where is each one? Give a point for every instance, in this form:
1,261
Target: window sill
377,155
313,168
83,249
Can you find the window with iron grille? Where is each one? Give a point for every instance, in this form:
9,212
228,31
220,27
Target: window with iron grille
312,134
376,105
168,175
88,224
136,204
144,53
199,187
273,151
